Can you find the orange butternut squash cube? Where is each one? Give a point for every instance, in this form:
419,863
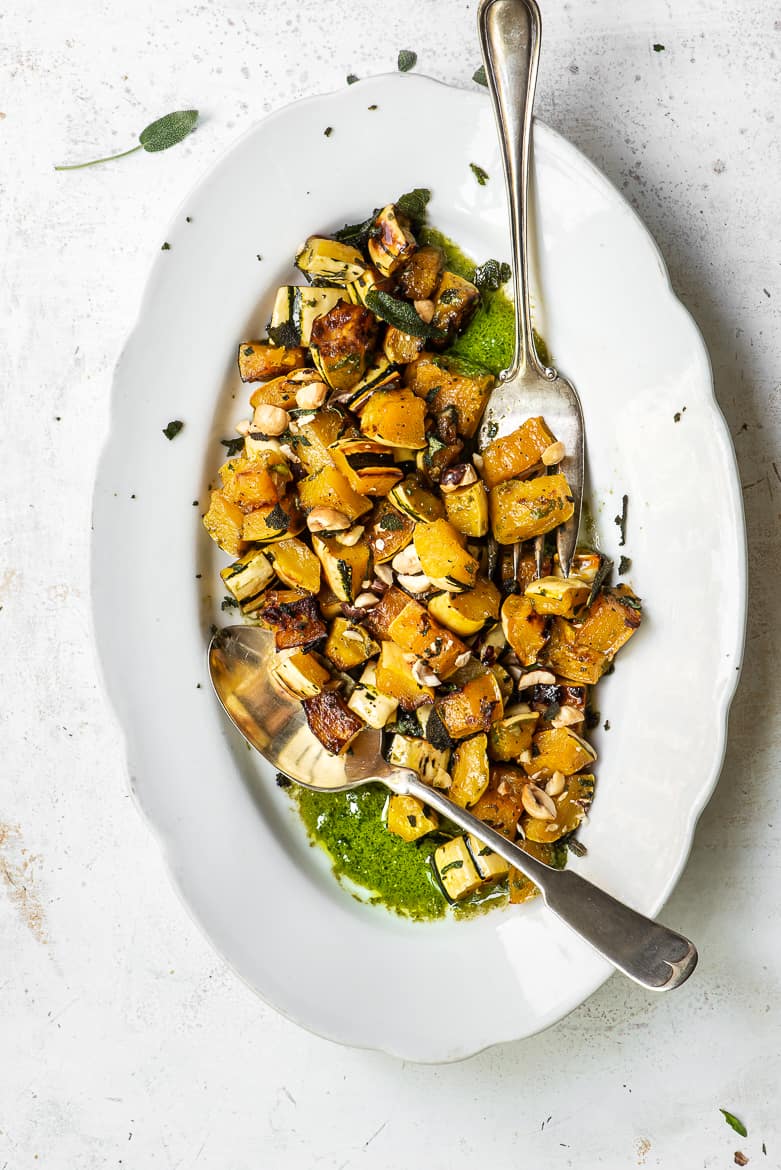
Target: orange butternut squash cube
473,708
396,418
395,678
518,453
523,628
521,509
443,556
559,750
416,631
224,522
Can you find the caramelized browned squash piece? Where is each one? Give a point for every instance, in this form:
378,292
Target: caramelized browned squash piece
419,278
389,532
559,750
395,678
416,631
501,806
342,342
473,708
572,661
295,620
610,621
379,617
401,348
259,360
332,721
396,417
250,485
391,243
455,302
224,522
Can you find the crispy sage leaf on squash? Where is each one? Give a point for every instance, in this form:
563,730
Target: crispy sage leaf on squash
413,204
400,314
356,234
492,275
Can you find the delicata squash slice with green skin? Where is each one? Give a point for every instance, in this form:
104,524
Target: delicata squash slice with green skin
362,532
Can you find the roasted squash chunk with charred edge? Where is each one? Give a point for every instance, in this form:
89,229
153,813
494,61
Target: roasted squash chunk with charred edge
610,621
559,750
295,622
561,596
569,659
332,721
419,278
348,644
409,819
328,488
571,807
341,344
521,509
316,433
391,242
473,708
330,261
345,566
518,453
247,579
379,617
367,466
300,674
295,564
273,521
455,302
260,360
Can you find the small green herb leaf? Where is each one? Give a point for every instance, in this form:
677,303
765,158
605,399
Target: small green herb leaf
400,314
173,428
451,865
478,172
168,130
413,204
479,76
660,49
492,275
391,522
356,234
621,520
159,135
624,565
407,60
352,78
734,1122
328,131
233,445
605,565
229,603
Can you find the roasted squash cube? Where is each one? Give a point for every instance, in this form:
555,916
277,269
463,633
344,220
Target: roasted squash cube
416,631
391,243
561,596
279,391
571,808
316,433
348,644
427,761
328,488
300,674
509,737
224,522
455,302
443,556
488,864
416,501
559,750
567,657
430,378
367,466
472,708
501,806
388,532
521,508
610,621
524,628
273,521
330,261
469,771
374,708
295,564
456,869
419,278
341,344
345,566
332,721
250,485
409,819
378,619
401,348
466,613
518,453
395,417
295,620
248,578
259,360
395,678
467,509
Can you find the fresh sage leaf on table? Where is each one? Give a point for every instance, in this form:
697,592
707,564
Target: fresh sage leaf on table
734,1122
401,314
158,135
407,59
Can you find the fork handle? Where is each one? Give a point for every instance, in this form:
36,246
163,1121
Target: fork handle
509,33
649,953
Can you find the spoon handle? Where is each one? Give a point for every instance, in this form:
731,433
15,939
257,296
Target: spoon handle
509,33
646,951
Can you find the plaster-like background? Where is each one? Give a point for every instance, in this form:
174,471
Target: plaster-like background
123,1039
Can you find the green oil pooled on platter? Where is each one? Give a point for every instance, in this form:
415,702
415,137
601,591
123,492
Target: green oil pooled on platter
488,340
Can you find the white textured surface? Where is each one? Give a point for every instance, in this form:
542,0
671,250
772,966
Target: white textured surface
124,1040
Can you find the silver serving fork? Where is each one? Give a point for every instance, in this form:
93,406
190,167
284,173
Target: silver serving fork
509,33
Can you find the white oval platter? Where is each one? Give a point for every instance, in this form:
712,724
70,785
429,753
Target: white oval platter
239,856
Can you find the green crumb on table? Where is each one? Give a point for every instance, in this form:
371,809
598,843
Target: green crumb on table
352,78
328,131
658,48
481,175
166,247
479,76
173,428
350,826
407,60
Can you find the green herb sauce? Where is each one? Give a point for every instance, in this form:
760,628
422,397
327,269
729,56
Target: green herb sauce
489,338
350,826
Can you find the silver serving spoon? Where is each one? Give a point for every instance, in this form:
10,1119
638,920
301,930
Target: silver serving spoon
273,722
509,33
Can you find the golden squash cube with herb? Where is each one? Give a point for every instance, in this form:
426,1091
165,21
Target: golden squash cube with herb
523,508
409,819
